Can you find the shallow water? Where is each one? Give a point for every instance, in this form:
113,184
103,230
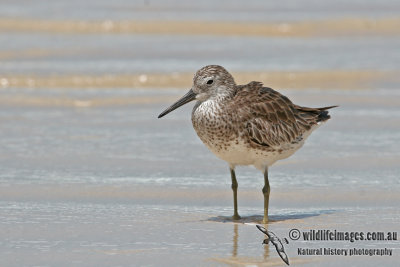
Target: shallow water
193,10
46,53
89,176
66,144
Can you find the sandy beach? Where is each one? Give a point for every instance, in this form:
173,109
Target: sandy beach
90,177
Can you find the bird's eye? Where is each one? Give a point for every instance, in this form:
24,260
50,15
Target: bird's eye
210,81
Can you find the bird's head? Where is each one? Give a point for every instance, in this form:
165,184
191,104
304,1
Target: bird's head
209,82
265,241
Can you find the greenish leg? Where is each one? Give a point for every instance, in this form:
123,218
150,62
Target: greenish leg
234,189
266,189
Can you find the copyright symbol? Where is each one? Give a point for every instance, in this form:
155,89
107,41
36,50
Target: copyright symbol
294,234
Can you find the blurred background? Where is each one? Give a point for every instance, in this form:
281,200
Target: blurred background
82,151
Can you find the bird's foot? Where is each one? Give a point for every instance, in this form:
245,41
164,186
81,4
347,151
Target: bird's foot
236,217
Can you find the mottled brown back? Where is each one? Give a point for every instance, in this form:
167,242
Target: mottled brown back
270,118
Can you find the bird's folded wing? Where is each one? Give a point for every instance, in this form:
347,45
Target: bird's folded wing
271,119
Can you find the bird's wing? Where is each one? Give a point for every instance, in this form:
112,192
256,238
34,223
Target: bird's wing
262,229
283,256
271,119
279,247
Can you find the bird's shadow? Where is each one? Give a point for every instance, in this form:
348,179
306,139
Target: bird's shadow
272,218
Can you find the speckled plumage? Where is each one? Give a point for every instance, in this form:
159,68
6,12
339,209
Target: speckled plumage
251,124
247,124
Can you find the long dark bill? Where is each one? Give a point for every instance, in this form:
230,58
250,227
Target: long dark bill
189,96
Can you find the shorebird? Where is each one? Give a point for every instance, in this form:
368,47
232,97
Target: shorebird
247,124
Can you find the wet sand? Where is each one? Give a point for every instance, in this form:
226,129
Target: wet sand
364,79
345,26
90,177
114,229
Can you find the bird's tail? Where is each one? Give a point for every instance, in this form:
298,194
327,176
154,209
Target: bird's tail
314,115
324,114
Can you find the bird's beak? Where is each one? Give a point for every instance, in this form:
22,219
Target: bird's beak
189,96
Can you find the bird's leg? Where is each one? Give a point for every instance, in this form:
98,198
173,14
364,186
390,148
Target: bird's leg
266,190
234,189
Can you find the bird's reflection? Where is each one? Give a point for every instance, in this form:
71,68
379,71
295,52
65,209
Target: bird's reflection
235,240
235,245
266,247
